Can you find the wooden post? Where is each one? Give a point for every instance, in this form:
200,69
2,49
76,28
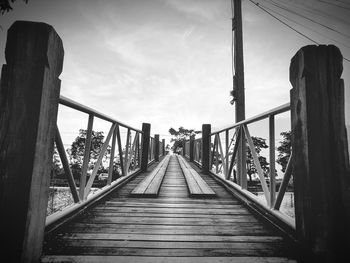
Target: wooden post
163,147
146,129
239,90
156,147
206,130
320,157
192,148
29,96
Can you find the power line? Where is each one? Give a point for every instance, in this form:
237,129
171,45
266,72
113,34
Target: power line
309,28
333,4
306,8
308,18
292,28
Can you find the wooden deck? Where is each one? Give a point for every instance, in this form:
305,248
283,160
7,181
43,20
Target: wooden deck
170,228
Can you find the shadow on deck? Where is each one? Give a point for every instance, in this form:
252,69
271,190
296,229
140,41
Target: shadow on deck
170,228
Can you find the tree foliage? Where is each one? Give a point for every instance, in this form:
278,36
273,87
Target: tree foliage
5,5
284,150
181,135
259,144
77,150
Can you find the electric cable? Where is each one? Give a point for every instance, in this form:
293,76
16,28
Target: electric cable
286,24
308,18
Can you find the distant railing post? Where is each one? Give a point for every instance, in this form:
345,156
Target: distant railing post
156,147
146,129
320,164
206,130
192,148
163,147
29,96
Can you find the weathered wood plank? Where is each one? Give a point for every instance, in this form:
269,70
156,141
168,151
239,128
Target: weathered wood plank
152,259
150,185
170,225
196,185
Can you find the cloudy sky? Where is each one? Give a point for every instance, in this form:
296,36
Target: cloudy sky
168,62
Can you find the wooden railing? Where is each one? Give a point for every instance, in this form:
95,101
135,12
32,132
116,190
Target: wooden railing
223,160
129,156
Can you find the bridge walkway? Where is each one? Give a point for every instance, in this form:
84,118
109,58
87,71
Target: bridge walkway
170,228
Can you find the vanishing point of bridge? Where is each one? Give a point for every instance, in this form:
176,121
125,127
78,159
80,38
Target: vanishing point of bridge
193,207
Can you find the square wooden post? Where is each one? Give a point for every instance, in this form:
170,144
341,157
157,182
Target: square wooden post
29,97
163,147
206,130
320,164
191,148
156,147
146,129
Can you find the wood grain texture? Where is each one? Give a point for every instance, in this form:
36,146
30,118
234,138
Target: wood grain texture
29,96
170,228
150,185
196,185
320,161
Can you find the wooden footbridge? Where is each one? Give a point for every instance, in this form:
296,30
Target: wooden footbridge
170,208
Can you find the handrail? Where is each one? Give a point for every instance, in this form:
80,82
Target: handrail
76,105
264,115
225,156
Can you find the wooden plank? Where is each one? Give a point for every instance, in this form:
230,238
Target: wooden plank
29,96
170,221
196,185
152,259
150,185
177,238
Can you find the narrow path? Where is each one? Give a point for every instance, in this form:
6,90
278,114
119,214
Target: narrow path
170,228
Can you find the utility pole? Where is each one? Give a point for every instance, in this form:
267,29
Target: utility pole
238,87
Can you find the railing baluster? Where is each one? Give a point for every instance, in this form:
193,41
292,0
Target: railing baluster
257,164
120,150
98,162
235,150
227,148
126,158
132,153
86,157
284,184
272,160
223,159
65,164
111,160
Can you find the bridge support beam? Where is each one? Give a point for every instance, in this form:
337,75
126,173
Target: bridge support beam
156,147
29,97
206,141
146,129
321,165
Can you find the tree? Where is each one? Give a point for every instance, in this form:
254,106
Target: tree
5,5
76,152
259,144
181,135
57,164
284,150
